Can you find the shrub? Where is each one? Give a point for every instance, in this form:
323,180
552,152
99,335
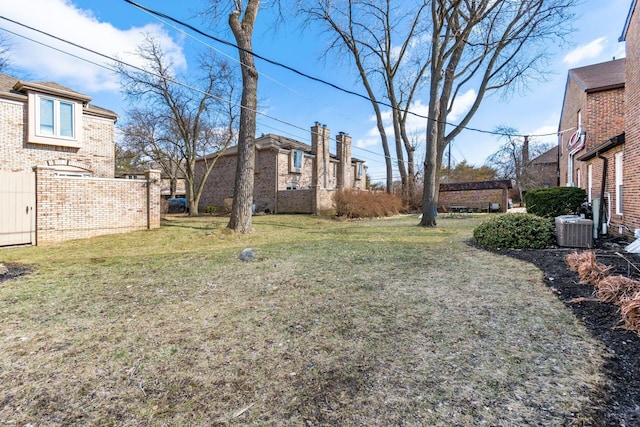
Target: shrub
555,201
352,203
515,231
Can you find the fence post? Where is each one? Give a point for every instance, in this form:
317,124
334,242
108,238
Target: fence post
152,178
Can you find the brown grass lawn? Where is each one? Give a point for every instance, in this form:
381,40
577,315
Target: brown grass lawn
335,323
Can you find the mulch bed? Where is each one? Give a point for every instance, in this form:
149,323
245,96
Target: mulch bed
620,403
13,271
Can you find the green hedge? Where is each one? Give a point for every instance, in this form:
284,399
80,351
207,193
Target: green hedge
516,231
555,201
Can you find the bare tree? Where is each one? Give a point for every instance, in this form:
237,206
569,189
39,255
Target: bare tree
5,53
513,160
484,46
146,133
180,124
241,19
381,38
126,159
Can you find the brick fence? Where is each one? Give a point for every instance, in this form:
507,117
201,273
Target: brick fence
76,207
475,195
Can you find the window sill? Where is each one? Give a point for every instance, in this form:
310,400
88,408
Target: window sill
53,141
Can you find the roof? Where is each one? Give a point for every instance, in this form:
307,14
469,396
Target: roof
273,141
15,89
623,36
548,157
599,77
602,148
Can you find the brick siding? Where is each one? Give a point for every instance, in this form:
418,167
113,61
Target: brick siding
277,188
74,208
96,154
631,159
473,199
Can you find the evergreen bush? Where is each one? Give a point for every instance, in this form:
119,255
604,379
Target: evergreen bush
515,231
555,201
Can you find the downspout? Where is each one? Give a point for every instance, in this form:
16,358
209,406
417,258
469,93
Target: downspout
572,153
605,165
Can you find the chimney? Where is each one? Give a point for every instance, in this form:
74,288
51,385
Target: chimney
343,151
525,151
320,147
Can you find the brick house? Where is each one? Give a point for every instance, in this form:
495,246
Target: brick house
591,135
627,182
544,169
290,176
49,124
57,168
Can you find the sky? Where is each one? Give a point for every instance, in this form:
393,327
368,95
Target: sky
290,104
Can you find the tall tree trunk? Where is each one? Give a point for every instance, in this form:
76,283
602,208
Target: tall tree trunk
242,210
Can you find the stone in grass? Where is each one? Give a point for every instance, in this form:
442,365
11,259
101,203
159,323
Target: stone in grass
3,270
247,255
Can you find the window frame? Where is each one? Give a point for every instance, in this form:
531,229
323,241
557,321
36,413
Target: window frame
619,182
296,155
56,138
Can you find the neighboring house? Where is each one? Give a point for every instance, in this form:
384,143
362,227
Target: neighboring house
626,179
543,170
49,124
290,176
591,136
57,168
165,181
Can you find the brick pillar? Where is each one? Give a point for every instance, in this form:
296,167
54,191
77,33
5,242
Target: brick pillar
343,148
320,148
47,209
153,198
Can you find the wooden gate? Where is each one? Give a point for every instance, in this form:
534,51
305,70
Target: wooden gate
17,208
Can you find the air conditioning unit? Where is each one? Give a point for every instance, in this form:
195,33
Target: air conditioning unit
574,231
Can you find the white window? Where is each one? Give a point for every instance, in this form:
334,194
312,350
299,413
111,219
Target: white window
579,178
55,117
296,161
579,119
358,170
54,121
619,183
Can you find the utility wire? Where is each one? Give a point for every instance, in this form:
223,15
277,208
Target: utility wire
119,61
316,79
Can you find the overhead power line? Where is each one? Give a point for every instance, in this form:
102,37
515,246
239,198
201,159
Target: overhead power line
310,77
119,61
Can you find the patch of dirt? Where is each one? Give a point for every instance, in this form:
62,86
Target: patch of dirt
620,402
13,270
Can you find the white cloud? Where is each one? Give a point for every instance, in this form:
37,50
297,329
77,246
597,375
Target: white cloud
461,105
66,21
590,50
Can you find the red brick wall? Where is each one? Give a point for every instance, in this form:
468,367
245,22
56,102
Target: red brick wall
295,201
602,118
631,160
475,199
575,99
75,208
96,154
